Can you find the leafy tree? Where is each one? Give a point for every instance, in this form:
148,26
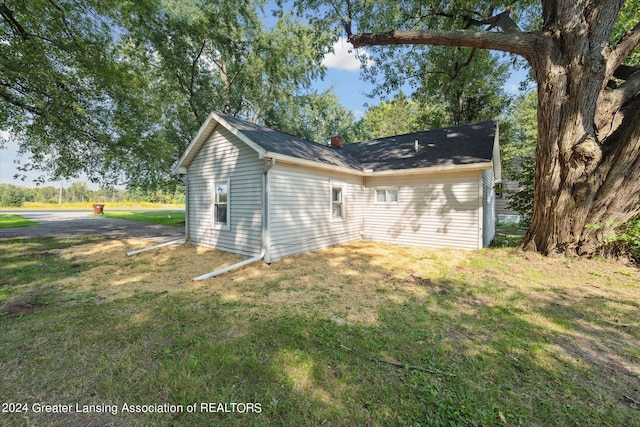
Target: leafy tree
77,192
117,89
217,55
588,98
403,115
65,94
518,136
313,117
11,196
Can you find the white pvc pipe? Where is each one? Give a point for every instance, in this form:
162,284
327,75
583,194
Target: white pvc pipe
139,251
232,267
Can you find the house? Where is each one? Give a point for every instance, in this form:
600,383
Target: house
253,190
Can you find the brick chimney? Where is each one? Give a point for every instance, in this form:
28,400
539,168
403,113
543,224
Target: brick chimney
336,141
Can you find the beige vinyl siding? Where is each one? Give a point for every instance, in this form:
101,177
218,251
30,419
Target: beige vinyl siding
488,207
299,210
433,210
224,157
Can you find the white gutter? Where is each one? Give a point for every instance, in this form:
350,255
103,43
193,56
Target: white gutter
232,267
139,251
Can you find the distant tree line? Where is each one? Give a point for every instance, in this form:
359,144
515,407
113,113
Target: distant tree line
78,192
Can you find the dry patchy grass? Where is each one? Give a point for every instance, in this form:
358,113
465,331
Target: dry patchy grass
529,340
348,283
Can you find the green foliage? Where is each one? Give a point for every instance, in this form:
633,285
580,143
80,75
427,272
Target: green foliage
78,192
521,199
402,115
117,89
629,237
628,17
468,83
312,116
11,196
624,240
66,95
518,135
165,195
218,55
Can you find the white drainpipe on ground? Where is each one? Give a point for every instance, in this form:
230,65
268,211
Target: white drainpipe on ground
139,251
232,267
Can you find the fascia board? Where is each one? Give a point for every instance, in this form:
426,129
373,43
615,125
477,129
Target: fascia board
310,163
342,169
430,169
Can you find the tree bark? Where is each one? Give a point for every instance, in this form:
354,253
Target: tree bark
588,147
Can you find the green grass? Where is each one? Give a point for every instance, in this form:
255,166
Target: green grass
507,235
7,221
509,338
174,218
29,266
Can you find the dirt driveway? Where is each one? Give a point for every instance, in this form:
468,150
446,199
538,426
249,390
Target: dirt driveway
83,223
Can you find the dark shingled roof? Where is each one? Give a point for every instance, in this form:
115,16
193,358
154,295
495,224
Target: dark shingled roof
289,145
455,145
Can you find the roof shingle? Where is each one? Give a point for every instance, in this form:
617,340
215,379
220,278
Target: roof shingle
455,145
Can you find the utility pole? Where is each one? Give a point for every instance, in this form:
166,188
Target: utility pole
60,195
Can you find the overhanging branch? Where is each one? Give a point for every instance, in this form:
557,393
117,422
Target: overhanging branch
623,49
521,43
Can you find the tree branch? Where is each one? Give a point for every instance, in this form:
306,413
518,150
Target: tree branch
623,49
612,101
8,16
522,43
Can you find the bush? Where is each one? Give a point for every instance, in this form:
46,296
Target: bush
11,196
629,238
624,241
521,200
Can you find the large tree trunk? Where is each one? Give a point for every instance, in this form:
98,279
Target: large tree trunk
587,158
587,167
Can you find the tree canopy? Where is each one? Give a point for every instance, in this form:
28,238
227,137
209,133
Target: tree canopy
116,89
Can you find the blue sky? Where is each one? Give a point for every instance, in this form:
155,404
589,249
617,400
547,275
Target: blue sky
343,74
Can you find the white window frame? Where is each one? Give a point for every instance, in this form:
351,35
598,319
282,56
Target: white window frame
214,203
343,208
386,195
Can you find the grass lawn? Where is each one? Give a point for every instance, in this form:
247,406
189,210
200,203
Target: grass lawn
358,334
175,218
9,220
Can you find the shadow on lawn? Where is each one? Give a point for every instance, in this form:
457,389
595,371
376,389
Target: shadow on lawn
309,339
26,262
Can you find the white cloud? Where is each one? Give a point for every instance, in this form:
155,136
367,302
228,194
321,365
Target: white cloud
344,57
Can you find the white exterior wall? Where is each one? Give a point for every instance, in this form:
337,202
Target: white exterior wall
433,210
299,210
223,156
488,207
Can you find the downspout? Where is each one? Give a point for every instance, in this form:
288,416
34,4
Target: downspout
186,207
266,193
265,252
